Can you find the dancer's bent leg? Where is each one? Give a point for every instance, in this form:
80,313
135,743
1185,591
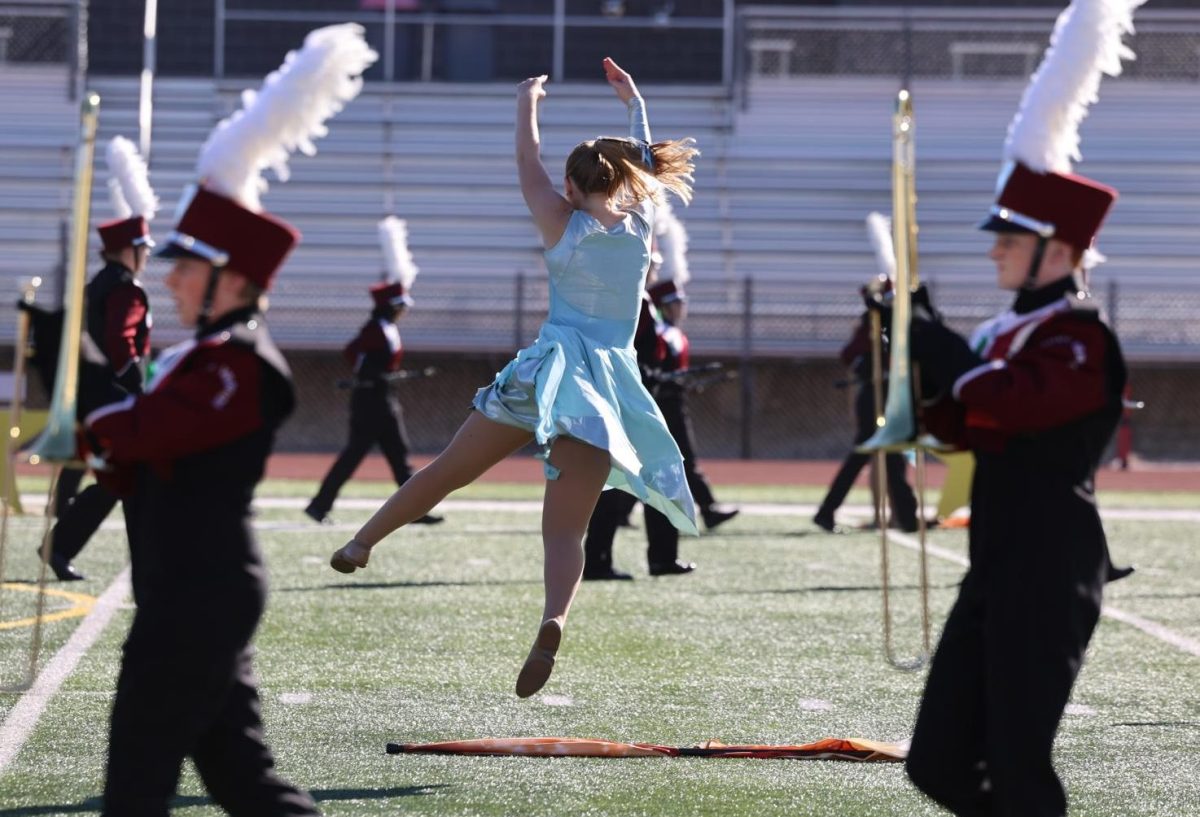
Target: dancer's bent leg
479,444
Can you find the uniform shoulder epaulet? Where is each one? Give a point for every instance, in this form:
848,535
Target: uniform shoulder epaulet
1081,301
253,336
1081,306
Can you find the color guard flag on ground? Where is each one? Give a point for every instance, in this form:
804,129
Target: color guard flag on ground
858,749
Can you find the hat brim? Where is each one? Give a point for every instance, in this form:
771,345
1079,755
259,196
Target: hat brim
995,224
172,250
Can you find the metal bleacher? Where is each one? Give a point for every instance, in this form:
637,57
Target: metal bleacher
782,188
36,140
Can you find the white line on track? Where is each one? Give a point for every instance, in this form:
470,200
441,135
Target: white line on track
748,508
1150,628
36,502
24,716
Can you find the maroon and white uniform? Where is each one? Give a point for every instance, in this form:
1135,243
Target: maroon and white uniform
1037,408
199,438
376,416
375,351
118,319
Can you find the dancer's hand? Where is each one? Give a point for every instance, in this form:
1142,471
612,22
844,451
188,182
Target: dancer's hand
532,88
620,80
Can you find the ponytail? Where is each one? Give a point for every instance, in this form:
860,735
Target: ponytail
618,167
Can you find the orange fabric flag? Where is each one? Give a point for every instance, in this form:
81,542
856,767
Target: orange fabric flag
858,749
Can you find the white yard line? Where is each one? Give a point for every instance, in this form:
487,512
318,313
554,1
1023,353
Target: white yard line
1150,628
1188,645
23,717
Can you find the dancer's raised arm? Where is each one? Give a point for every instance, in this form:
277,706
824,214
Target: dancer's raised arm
549,209
627,92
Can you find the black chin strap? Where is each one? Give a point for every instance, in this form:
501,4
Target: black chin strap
1036,263
210,291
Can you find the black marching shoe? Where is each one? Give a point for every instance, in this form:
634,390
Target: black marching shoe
605,574
827,524
320,517
64,571
717,514
1112,573
429,519
675,568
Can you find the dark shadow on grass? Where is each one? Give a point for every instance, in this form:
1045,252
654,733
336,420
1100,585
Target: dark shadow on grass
93,804
500,531
1125,596
396,586
755,534
871,588
1185,724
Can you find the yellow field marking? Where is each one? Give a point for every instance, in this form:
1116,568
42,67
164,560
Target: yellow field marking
82,605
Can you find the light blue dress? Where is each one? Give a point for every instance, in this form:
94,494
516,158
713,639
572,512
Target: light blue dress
580,378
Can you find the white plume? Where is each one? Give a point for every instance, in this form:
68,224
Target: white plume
879,230
120,207
393,238
1086,43
673,244
129,181
286,115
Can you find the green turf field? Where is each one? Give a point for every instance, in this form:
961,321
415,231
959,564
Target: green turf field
776,639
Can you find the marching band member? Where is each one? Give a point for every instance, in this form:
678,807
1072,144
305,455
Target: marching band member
1036,398
375,413
118,321
614,507
856,356
674,357
199,438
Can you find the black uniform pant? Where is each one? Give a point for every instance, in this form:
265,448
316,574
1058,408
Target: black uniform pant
679,423
662,538
375,418
80,518
1005,665
68,485
903,500
186,689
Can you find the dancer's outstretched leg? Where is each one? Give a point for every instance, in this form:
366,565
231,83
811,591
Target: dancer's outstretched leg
479,444
566,509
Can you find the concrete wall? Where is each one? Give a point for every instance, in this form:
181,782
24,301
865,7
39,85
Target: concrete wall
796,411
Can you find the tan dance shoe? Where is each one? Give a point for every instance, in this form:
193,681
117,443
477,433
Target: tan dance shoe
350,557
540,662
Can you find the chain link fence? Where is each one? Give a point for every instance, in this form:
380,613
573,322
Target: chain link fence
487,40
36,33
956,43
788,396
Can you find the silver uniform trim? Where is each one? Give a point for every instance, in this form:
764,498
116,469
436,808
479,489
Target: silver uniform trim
967,377
111,408
1043,228
216,257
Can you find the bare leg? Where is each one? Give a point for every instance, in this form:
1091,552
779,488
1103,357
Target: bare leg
479,444
566,509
